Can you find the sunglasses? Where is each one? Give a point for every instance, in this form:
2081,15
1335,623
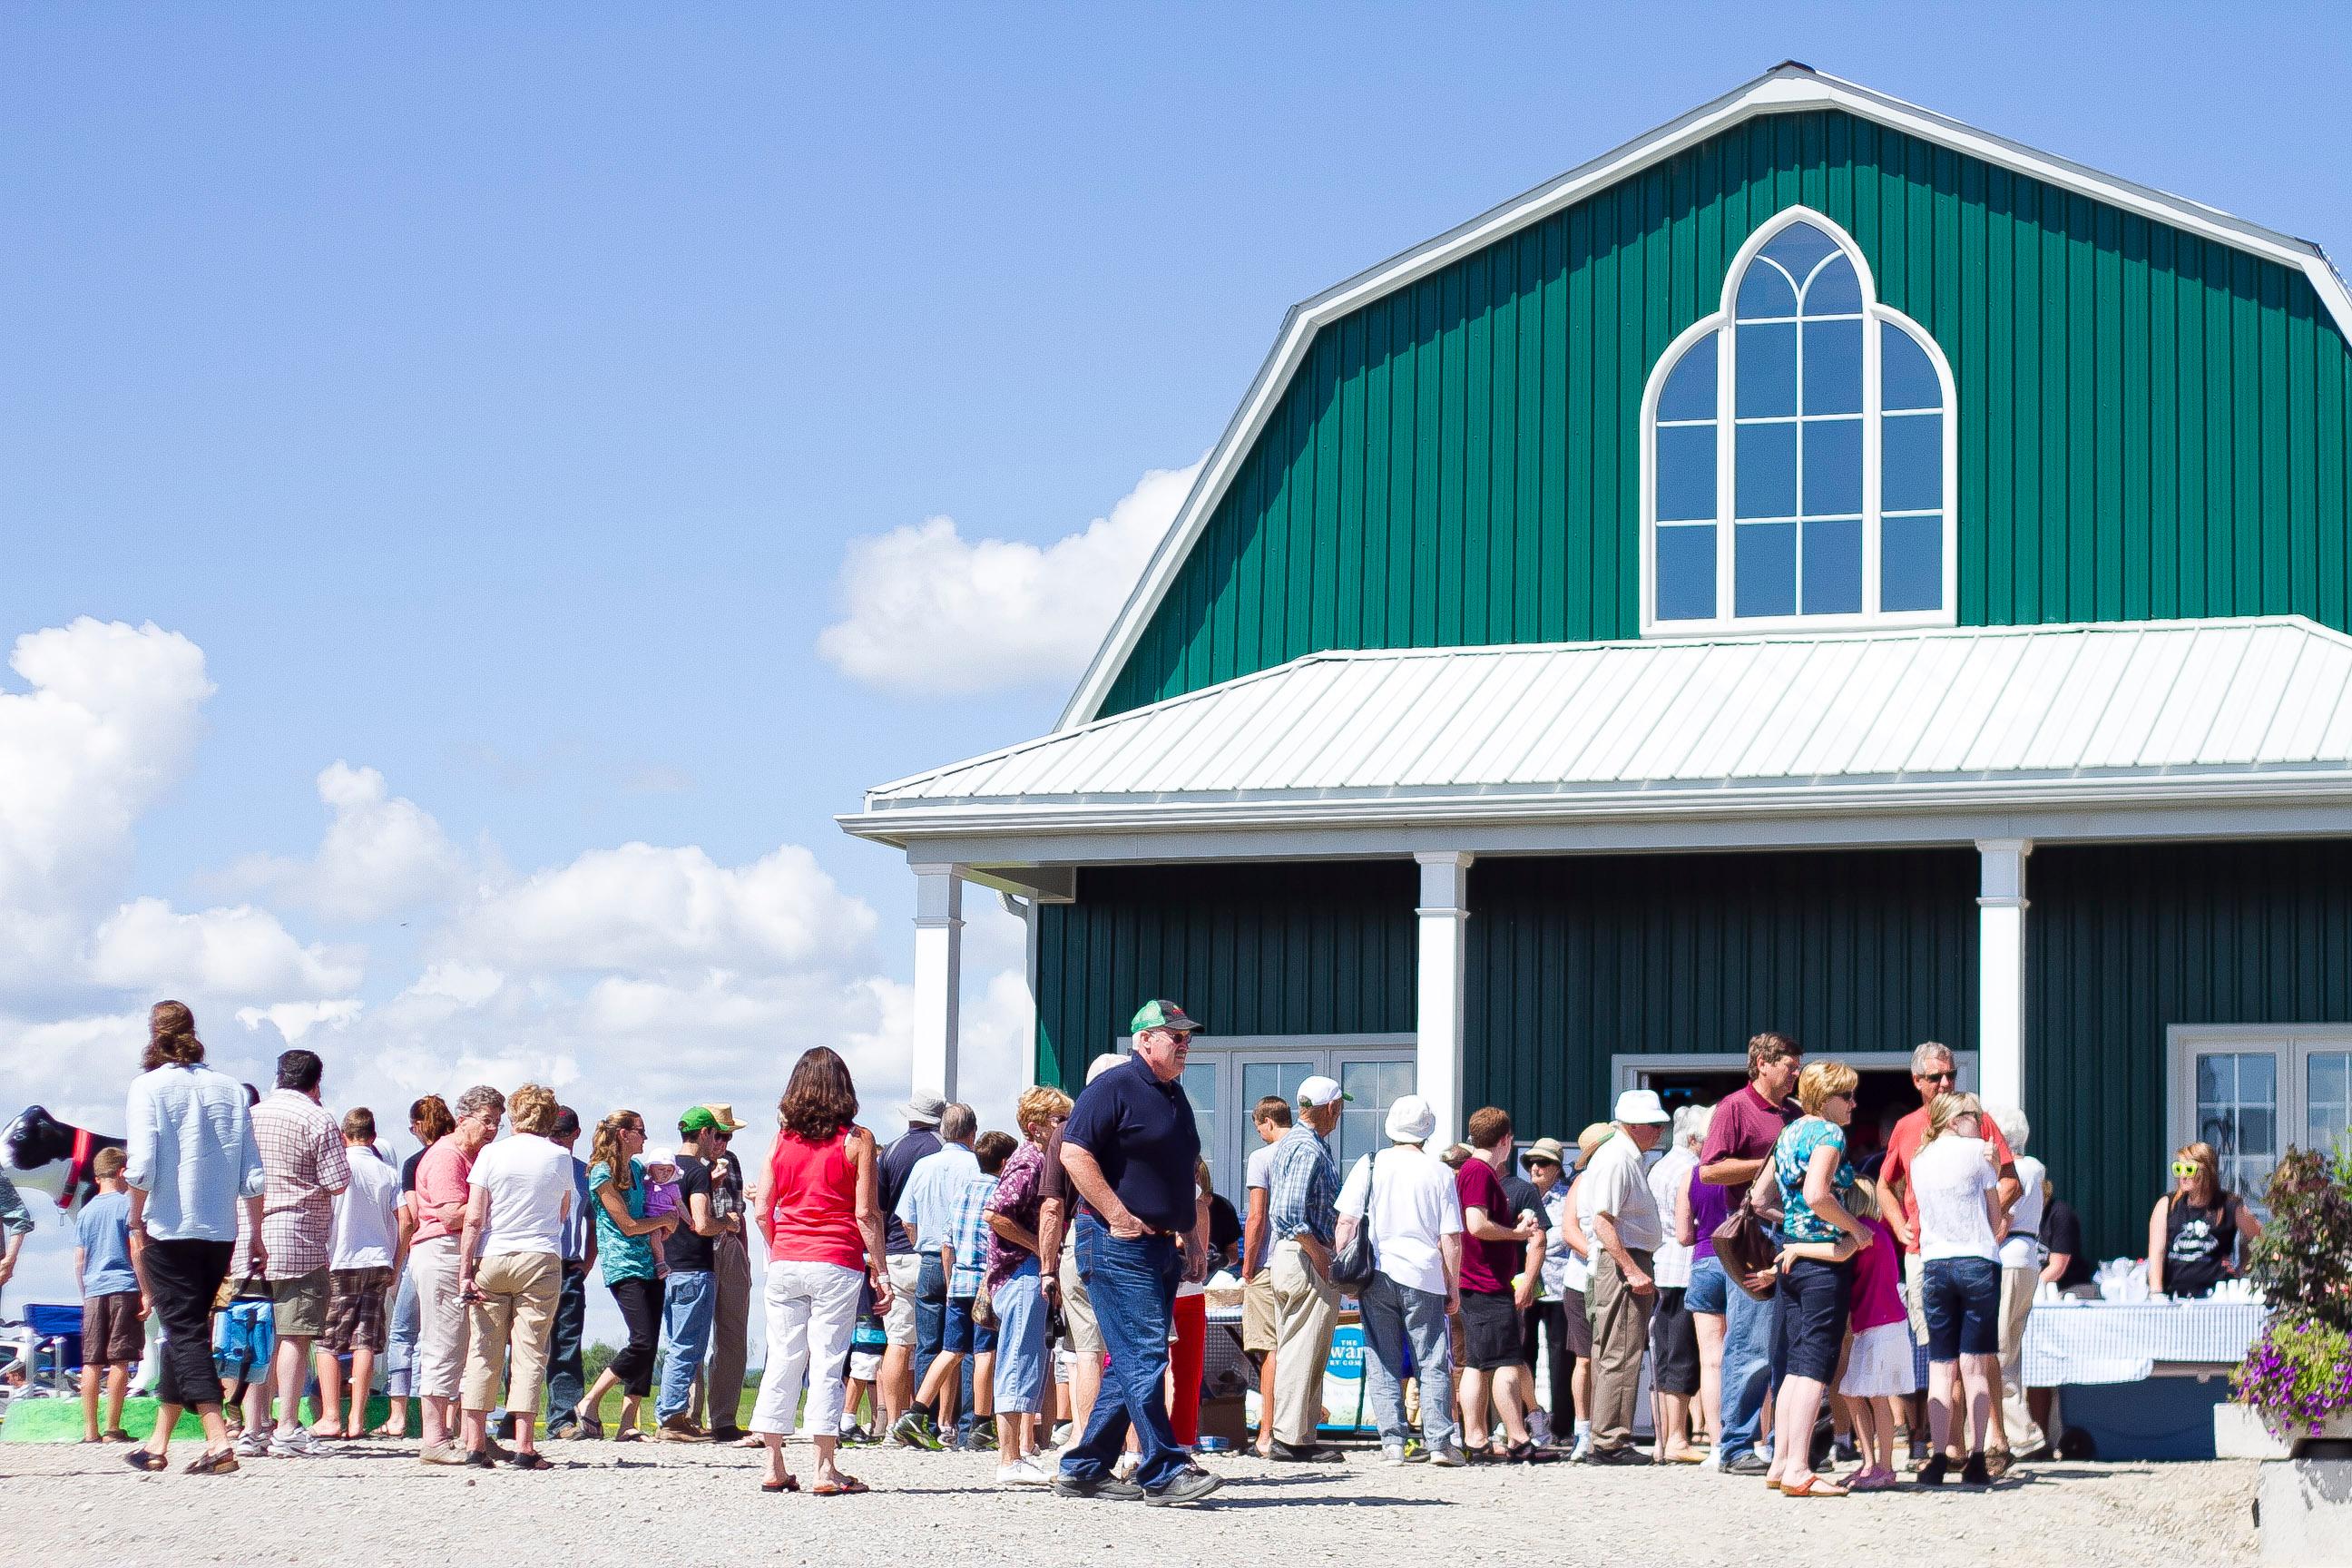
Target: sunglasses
2186,1168
1946,1076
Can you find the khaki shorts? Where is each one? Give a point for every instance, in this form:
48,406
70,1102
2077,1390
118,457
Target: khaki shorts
1077,1312
1915,1296
1258,1313
899,1323
299,1306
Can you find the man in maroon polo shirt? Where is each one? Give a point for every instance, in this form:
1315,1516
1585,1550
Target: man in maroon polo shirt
1748,1123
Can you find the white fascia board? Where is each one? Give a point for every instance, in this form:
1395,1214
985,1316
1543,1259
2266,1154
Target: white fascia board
1784,89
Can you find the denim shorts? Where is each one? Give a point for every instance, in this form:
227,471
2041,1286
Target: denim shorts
1022,1370
1963,1307
965,1334
1710,1289
1814,1301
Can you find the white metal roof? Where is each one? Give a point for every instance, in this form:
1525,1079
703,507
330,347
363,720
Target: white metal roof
1787,88
2185,707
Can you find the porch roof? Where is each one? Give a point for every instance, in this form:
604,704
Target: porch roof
1988,718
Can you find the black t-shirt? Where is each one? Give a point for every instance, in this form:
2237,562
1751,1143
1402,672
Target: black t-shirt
1224,1225
1525,1197
683,1250
2062,1231
898,1161
1141,1133
408,1173
726,1186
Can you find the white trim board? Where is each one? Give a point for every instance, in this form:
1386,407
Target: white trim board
1625,1069
1789,88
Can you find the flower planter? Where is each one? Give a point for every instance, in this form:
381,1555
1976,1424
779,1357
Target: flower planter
2239,1434
2304,1513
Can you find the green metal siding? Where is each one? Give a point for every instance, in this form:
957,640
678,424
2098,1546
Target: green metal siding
1573,961
2125,941
2151,424
1321,948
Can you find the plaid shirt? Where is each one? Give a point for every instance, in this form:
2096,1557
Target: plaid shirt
969,1229
1302,1190
302,1155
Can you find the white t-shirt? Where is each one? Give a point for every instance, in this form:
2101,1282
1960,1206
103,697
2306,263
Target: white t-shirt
528,1181
1413,1207
1669,1175
367,1213
1257,1170
2022,1247
1564,1268
1949,1178
1614,1184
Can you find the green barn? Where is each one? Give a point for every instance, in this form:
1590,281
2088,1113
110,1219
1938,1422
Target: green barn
1819,566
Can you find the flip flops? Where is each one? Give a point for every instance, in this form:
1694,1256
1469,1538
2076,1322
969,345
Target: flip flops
788,1484
848,1486
1814,1486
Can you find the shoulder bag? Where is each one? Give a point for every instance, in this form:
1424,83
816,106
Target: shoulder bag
1745,1242
1352,1266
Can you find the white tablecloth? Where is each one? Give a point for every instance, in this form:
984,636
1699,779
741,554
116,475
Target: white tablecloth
2115,1342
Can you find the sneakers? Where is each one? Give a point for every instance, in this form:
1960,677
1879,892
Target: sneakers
442,1453
295,1443
1628,1454
1748,1464
917,1430
1189,1487
1392,1454
1021,1473
1109,1488
1449,1458
982,1439
252,1444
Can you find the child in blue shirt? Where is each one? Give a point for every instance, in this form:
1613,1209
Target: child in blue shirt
113,1314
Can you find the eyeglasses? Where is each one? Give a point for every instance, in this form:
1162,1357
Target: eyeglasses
2187,1168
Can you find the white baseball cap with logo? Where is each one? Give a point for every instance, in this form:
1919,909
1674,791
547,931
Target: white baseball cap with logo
1319,1091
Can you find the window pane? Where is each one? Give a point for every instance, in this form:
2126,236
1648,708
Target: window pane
1200,1088
1833,466
1907,376
1911,462
1281,1079
1911,563
2237,1112
2327,1099
1765,292
1687,574
1833,567
1764,569
1689,392
1834,290
1686,471
1834,367
1374,1086
1800,248
1766,469
1768,370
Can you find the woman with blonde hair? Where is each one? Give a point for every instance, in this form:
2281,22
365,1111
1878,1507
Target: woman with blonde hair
1023,1360
1816,1293
624,1251
1954,1180
2197,1231
511,1271
820,1211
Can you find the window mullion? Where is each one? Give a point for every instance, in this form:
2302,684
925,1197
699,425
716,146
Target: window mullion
1873,518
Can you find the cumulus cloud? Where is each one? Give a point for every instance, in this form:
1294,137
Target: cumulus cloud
647,910
382,855
292,1020
928,611
238,952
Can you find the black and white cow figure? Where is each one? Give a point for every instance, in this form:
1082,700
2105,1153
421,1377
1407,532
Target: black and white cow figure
44,1154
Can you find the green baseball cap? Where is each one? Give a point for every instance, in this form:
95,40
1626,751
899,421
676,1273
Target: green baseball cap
1158,1014
700,1119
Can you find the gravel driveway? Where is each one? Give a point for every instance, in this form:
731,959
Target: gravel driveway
373,1504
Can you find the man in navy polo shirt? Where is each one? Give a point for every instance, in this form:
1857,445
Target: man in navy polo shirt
1128,1149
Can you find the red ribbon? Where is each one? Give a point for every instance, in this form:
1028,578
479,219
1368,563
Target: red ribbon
75,1166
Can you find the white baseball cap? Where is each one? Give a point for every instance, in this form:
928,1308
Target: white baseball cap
1319,1091
1637,1106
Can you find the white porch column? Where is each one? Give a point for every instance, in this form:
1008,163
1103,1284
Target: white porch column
939,976
1445,914
2001,975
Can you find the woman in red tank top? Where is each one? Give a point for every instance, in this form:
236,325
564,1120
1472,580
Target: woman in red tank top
821,1213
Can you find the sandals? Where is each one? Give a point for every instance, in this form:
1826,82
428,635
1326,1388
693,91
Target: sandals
222,1462
788,1484
629,1435
848,1486
140,1459
530,1461
1814,1486
388,1433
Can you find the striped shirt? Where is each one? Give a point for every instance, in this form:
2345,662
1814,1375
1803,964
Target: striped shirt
1302,1193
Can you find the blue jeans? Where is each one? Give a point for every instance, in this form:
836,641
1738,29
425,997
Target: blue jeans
566,1385
1398,1318
1133,1285
688,1301
1023,1369
1748,1337
399,1342
931,1314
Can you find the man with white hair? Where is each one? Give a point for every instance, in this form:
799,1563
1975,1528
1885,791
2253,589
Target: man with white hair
1302,1193
1408,1198
2014,1431
1674,1334
1614,1199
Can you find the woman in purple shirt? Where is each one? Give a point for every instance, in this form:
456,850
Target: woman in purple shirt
1698,1209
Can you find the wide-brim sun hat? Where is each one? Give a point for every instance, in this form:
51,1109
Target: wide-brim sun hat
1411,1120
1641,1108
1591,1138
924,1109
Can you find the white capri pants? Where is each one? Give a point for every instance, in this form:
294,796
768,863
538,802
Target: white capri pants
811,1313
442,1321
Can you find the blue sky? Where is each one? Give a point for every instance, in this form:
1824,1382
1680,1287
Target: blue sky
495,397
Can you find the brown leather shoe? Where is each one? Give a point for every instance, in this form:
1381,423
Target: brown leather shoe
680,1429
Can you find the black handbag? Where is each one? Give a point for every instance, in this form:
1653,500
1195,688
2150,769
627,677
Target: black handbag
1353,1266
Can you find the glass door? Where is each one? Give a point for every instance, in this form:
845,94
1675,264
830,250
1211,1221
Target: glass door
1257,1074
1375,1081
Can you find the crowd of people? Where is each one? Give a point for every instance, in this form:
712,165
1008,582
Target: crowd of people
1043,1289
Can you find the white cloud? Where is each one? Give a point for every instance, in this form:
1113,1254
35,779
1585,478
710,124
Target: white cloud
232,954
652,910
383,854
292,1020
931,613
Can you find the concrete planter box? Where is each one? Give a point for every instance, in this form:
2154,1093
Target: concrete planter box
2304,1513
2239,1434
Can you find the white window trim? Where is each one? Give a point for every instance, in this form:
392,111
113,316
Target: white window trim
1726,381
1626,1070
2293,1044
